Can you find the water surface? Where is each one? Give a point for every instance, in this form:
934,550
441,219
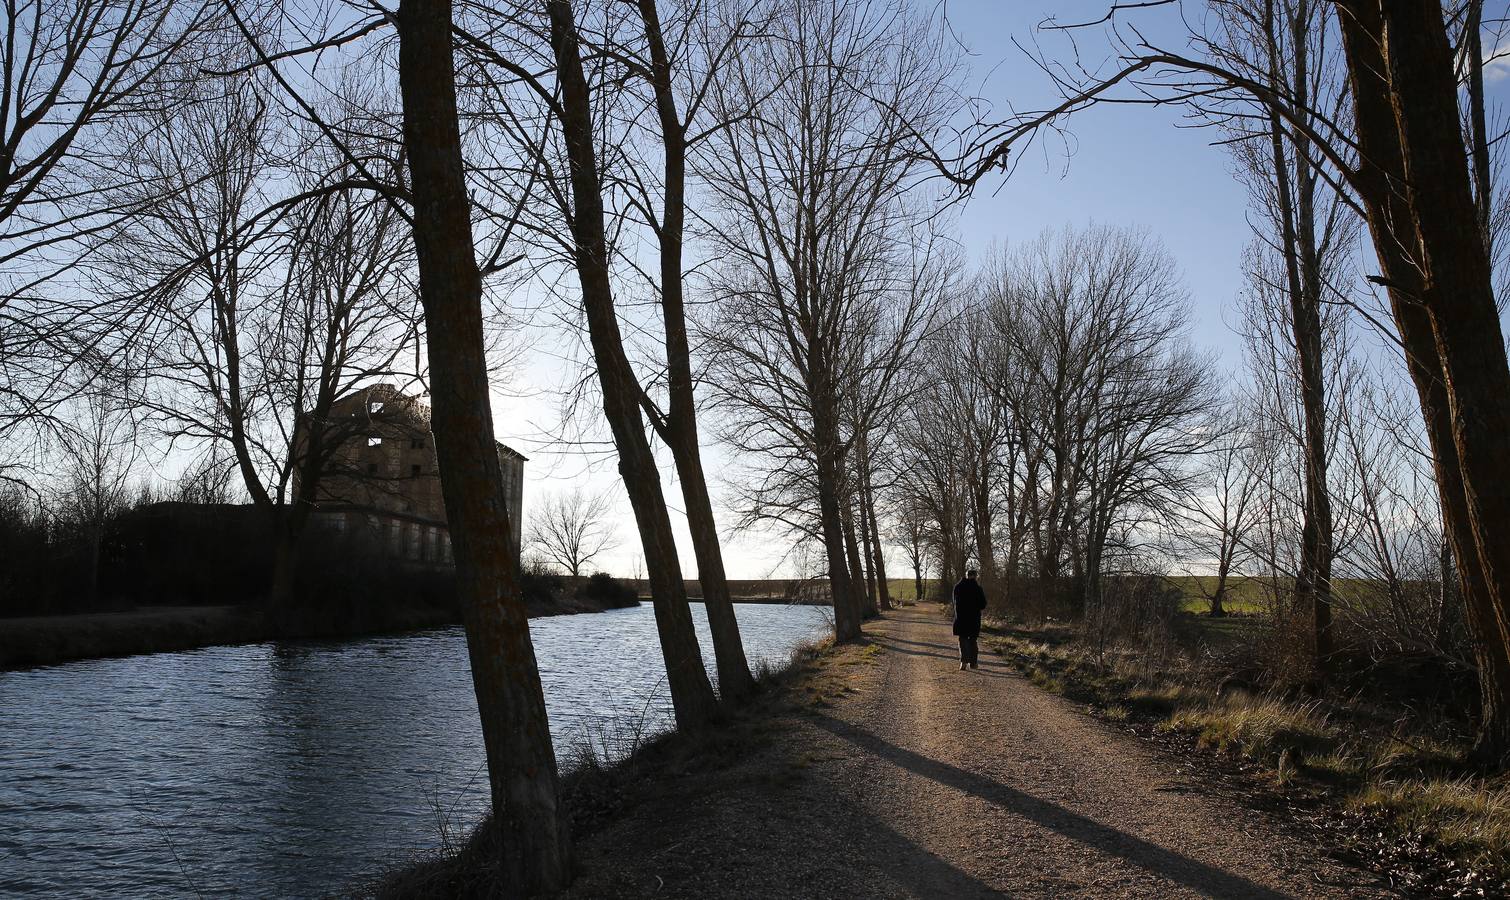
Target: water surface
289,769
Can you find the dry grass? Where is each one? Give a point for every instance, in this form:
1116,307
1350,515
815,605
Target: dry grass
1261,728
1464,817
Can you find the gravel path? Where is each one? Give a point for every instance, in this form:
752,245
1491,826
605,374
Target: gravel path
901,776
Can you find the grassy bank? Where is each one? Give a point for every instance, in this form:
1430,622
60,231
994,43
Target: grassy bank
607,776
1397,789
48,640
45,640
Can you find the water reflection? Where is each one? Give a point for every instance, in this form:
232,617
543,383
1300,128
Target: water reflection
288,769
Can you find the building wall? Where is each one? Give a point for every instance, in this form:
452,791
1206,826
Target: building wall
513,493
384,458
384,461
413,540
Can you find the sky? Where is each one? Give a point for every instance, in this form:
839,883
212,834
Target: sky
1126,166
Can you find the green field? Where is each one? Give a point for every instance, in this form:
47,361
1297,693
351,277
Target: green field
906,588
1246,596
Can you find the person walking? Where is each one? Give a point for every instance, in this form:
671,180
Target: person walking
969,603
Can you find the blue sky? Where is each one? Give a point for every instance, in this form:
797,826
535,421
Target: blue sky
1127,166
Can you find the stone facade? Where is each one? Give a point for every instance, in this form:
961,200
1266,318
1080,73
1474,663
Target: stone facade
381,478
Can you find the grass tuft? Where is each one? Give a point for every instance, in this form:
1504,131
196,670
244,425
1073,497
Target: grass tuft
1465,817
1261,728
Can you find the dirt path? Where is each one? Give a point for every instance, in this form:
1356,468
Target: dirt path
905,777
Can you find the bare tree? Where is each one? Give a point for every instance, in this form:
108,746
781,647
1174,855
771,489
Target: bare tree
1412,181
1090,362
1223,507
815,236
631,74
572,529
1416,191
677,424
1307,226
99,452
932,485
692,695
911,526
68,71
254,287
1403,602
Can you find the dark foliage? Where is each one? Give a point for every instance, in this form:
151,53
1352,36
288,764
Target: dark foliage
41,571
541,588
218,554
608,592
344,584
175,554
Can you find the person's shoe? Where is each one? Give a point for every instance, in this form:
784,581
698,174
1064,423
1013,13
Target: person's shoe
962,667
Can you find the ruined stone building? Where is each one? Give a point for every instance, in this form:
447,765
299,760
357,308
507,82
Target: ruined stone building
380,478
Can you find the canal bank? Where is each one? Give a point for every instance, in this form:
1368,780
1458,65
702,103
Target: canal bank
882,770
49,640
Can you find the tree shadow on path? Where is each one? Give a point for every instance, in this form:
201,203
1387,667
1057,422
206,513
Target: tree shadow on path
886,643
923,873
1141,853
890,643
878,638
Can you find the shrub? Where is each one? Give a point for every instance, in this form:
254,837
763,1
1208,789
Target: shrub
607,591
540,587
344,583
1133,610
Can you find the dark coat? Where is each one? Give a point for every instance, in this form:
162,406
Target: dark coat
969,603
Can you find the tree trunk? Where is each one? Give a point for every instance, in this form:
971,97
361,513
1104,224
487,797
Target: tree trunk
1295,199
534,843
830,478
680,427
863,599
1306,313
1220,592
1434,306
868,552
691,694
868,514
980,499
734,678
916,547
1483,192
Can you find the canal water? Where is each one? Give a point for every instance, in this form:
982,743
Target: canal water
294,769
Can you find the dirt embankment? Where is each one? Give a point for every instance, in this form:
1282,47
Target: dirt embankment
47,640
885,771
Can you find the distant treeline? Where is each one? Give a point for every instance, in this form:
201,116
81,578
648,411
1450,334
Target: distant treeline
815,590
153,553
175,553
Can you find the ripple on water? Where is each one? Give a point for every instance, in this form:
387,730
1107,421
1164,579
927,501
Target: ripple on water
289,769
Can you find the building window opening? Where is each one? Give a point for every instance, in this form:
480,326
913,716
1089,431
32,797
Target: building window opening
417,444
374,441
372,468
414,470
374,407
